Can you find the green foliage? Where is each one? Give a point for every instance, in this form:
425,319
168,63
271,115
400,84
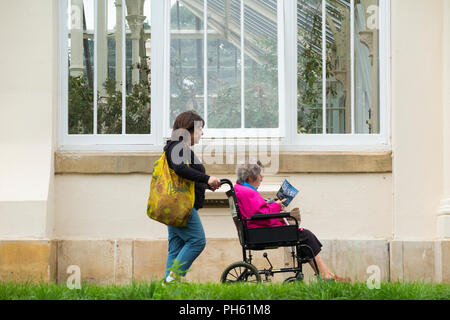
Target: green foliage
154,290
261,98
176,269
109,106
309,74
187,88
110,109
225,110
81,106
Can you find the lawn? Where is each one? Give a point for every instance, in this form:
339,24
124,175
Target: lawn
154,290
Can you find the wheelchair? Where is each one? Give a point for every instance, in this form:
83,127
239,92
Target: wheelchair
259,239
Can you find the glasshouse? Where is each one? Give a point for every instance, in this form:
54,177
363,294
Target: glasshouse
348,100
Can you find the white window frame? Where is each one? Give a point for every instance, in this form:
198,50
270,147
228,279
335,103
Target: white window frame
287,134
236,132
97,141
353,141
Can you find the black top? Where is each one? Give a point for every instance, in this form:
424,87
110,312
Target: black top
175,154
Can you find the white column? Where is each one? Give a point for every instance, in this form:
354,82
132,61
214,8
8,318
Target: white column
119,43
102,44
443,219
76,38
135,20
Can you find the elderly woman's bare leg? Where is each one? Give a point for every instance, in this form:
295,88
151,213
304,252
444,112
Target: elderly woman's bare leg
325,273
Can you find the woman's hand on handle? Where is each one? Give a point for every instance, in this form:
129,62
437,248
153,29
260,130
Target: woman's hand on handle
214,183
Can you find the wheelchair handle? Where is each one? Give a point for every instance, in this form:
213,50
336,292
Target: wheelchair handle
226,181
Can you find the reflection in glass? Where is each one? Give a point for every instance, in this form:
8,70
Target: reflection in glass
224,62
224,68
186,60
109,53
138,75
367,118
339,67
110,20
309,67
81,66
261,65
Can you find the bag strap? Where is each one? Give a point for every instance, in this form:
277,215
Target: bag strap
164,154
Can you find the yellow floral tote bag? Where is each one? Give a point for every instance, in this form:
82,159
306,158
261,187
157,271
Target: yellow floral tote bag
171,197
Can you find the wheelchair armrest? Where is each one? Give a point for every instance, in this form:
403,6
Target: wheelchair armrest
265,216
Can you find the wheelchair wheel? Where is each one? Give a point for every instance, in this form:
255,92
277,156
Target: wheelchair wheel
240,272
298,277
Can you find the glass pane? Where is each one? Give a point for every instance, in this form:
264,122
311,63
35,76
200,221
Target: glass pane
109,66
261,64
186,59
338,67
81,66
138,67
309,69
367,111
224,67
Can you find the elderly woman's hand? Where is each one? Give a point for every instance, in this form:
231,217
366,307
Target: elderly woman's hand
281,202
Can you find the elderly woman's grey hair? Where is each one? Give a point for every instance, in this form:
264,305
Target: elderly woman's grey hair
250,169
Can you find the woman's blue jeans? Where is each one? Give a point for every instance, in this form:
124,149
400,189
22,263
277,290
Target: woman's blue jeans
185,243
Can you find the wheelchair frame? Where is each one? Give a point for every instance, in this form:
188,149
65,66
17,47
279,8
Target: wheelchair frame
264,239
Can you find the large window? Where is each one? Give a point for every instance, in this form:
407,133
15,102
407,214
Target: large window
338,66
224,64
107,71
342,69
306,72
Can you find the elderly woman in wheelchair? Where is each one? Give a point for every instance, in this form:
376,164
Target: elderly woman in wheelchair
262,226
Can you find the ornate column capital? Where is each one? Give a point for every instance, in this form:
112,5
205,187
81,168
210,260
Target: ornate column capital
135,22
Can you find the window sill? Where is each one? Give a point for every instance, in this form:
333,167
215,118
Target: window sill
288,162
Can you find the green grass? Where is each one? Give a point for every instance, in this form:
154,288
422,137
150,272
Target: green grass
215,291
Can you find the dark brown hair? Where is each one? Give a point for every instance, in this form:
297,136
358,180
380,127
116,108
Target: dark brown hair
186,121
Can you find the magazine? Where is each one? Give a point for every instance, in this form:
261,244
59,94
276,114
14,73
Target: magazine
288,192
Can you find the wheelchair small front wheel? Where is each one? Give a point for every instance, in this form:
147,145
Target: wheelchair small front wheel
240,272
298,277
290,280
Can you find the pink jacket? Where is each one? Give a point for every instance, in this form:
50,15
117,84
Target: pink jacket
251,202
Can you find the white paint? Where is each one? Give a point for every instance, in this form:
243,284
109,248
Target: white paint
443,220
28,99
338,206
417,133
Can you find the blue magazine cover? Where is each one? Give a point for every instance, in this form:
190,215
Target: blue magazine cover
288,192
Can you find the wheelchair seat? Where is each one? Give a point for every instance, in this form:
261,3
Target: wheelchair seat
264,237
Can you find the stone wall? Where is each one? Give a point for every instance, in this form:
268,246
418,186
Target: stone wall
124,260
